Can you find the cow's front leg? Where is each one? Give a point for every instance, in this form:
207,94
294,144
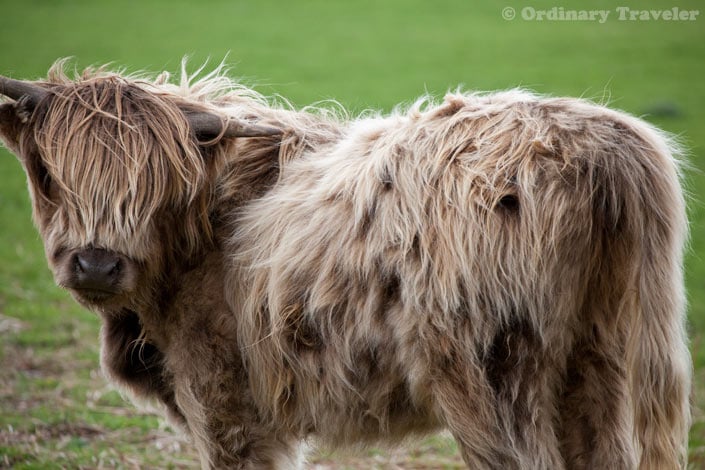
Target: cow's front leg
227,432
222,419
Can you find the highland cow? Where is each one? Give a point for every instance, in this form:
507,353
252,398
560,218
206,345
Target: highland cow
505,266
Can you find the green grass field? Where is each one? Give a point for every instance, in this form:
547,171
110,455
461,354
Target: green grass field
56,411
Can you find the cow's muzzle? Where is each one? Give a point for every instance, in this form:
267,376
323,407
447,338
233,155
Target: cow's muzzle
96,273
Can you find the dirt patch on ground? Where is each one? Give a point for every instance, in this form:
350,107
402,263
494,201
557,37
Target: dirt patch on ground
10,325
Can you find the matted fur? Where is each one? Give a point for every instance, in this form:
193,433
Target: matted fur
504,265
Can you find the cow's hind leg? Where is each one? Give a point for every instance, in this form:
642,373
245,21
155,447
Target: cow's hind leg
499,403
467,412
595,410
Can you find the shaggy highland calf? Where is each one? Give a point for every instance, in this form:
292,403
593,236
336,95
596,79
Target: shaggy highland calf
504,266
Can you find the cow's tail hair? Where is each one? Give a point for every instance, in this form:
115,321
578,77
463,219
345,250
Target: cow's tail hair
647,207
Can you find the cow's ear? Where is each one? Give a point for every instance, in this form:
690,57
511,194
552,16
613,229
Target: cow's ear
14,117
14,121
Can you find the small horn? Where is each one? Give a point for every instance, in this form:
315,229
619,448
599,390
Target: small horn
16,89
206,124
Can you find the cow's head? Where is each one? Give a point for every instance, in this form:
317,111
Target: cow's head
119,176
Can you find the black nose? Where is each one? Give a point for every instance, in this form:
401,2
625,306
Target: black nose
97,270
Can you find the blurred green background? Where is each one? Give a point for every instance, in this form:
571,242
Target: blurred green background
55,409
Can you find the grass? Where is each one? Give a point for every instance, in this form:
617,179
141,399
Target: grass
56,411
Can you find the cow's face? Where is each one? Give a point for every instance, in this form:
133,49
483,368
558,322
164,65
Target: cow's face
84,252
118,185
120,172
107,216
